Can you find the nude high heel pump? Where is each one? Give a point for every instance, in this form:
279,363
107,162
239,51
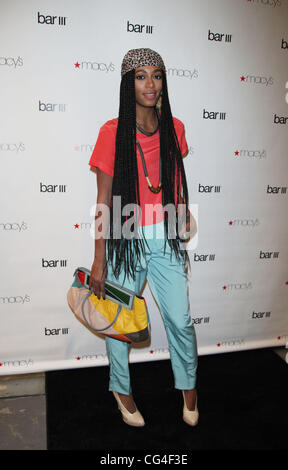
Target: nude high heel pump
133,419
190,417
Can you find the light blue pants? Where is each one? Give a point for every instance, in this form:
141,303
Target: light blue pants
168,283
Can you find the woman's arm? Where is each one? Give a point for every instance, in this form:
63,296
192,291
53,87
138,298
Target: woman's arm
99,266
187,221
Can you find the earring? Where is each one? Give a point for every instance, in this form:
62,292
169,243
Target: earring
159,102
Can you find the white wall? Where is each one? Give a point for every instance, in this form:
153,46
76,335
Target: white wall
239,280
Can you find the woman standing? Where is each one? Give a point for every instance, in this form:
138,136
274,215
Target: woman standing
138,157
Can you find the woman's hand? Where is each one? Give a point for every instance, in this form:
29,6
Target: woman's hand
190,229
98,276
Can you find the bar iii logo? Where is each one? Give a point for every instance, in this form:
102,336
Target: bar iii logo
52,188
54,263
56,331
222,37
139,28
51,19
52,107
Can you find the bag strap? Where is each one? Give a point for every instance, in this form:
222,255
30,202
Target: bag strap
84,316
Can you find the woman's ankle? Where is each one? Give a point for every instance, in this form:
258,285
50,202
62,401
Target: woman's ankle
128,402
190,398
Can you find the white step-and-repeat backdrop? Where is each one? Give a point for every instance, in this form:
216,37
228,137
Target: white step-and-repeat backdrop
228,82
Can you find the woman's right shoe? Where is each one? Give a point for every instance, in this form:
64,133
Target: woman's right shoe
133,419
190,417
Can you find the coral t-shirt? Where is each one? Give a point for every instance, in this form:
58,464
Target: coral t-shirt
103,157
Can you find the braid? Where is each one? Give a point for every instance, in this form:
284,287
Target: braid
125,182
172,164
127,252
125,150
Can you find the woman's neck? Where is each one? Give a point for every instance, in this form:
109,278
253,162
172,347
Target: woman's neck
146,118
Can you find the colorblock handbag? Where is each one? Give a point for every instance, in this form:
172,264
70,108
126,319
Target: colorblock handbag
123,315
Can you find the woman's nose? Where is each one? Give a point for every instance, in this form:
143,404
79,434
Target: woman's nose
149,82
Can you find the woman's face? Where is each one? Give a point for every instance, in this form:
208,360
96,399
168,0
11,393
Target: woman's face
148,85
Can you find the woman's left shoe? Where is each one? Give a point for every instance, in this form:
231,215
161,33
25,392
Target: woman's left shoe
190,417
133,419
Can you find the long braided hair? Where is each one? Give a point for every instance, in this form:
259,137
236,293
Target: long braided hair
122,252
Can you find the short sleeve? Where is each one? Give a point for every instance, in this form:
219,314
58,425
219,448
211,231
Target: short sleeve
103,155
180,131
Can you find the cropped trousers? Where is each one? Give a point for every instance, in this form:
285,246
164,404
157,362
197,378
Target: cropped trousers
167,280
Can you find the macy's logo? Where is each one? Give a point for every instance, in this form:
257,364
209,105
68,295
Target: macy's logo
92,357
17,363
15,299
11,61
231,343
96,66
13,226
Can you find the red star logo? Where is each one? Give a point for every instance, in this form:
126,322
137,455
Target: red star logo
1,364
236,153
224,287
279,337
77,65
219,344
230,222
151,352
78,358
242,78
286,283
76,225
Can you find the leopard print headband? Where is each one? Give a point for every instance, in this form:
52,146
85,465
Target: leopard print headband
140,57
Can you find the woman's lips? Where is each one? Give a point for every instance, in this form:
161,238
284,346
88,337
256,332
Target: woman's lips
150,96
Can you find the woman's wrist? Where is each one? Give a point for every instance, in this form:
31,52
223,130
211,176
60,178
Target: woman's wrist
100,253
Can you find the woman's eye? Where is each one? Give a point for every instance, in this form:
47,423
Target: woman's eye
142,77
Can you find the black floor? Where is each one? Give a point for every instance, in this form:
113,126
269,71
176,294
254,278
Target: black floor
242,401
